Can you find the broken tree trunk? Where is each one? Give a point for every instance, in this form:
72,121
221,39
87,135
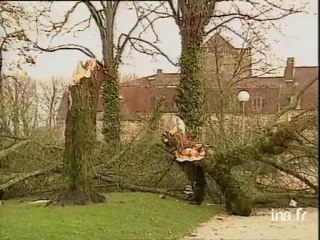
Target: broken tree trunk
239,199
80,136
219,166
187,153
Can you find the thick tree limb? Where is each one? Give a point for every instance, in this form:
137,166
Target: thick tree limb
24,176
94,12
12,149
175,13
282,199
131,187
289,171
273,144
77,47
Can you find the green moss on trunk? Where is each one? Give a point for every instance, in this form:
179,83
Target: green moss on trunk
190,93
80,136
196,176
239,200
111,117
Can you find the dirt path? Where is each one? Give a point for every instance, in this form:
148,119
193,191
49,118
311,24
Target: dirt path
261,226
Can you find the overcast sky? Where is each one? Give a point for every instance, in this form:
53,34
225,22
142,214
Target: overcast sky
300,41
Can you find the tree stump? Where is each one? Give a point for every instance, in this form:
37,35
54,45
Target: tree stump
80,138
187,153
196,176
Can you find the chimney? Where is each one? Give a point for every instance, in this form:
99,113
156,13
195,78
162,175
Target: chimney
289,70
159,71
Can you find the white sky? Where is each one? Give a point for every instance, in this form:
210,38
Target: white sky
300,41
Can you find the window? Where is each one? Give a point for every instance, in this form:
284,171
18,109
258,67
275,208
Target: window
174,104
298,104
153,101
156,99
257,103
290,99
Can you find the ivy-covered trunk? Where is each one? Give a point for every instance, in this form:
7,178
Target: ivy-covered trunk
110,85
190,93
80,136
111,117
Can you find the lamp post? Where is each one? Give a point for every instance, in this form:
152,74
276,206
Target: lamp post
243,97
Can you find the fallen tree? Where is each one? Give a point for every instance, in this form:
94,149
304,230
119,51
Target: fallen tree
15,178
239,199
220,164
4,153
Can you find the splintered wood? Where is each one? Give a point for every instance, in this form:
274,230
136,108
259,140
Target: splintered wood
82,71
183,148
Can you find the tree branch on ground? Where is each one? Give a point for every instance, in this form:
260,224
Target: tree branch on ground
24,176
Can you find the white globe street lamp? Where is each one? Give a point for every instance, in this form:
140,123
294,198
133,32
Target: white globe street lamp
243,97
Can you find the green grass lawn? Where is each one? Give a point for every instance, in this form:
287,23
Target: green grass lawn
124,216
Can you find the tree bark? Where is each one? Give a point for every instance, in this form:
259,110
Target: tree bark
110,85
80,136
12,149
111,105
190,93
196,176
23,176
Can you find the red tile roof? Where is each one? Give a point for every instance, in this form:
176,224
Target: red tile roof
162,79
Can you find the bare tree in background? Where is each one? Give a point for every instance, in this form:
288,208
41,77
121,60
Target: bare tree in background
102,15
50,97
12,38
128,77
20,100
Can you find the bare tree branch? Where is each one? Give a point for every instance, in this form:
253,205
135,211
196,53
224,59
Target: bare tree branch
133,40
293,104
289,171
6,152
77,47
94,12
24,176
120,47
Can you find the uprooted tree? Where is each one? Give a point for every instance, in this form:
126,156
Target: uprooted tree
80,136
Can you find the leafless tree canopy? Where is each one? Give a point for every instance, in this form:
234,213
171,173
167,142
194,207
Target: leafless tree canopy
50,97
248,21
102,16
